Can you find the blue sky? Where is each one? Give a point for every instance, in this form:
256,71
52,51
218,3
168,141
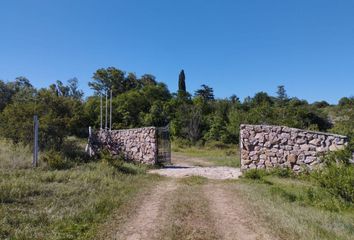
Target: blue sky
236,47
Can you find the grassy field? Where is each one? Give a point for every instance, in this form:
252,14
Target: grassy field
67,204
297,209
223,155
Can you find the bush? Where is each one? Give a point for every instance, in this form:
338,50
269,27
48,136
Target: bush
55,160
259,174
282,172
255,174
182,143
337,175
72,150
119,163
337,179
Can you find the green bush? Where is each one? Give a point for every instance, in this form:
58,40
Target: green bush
182,143
337,179
282,172
255,174
55,160
259,174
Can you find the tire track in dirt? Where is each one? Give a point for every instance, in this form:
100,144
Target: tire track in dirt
148,219
233,220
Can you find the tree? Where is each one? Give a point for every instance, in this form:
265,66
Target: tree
74,90
19,84
5,95
234,99
345,101
109,78
182,82
206,93
261,98
321,104
147,79
69,90
59,117
281,93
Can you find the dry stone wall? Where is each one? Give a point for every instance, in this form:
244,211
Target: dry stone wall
265,147
138,145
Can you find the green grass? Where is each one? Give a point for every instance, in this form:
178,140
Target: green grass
297,209
189,215
226,155
67,204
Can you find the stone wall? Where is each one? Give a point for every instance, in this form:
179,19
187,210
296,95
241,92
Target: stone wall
264,146
138,145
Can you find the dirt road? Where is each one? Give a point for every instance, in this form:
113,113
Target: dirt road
192,208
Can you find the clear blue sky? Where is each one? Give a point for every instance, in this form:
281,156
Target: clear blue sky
236,47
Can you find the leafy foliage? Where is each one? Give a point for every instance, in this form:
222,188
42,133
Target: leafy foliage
143,101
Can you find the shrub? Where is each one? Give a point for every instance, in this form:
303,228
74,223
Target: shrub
72,150
255,174
337,179
337,175
259,174
282,172
55,160
119,163
182,143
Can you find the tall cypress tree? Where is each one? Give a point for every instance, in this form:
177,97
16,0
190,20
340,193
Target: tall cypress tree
182,82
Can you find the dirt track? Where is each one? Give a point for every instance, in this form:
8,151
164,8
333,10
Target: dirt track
226,211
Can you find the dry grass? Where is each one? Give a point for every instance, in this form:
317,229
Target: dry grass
14,156
227,155
279,205
189,216
66,204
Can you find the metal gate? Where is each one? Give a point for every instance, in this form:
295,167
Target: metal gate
163,145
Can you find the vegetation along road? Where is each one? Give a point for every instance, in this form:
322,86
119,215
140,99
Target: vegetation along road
115,200
196,207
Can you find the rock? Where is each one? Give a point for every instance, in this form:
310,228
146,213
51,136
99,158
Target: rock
286,129
259,135
301,157
288,148
305,147
309,159
285,135
296,168
300,141
246,162
292,158
252,166
315,142
333,147
272,146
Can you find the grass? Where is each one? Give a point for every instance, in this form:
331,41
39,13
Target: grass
66,204
223,155
297,209
189,216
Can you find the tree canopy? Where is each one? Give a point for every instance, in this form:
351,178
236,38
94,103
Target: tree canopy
145,101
